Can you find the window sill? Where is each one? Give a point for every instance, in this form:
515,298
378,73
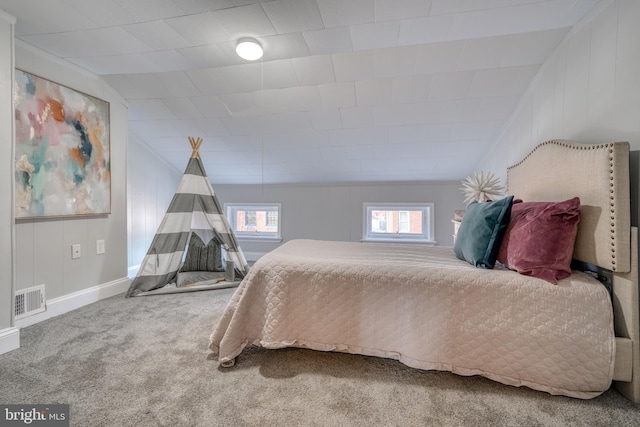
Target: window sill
253,239
402,241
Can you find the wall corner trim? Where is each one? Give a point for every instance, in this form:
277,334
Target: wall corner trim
75,300
9,340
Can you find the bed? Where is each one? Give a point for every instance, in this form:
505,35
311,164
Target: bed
429,309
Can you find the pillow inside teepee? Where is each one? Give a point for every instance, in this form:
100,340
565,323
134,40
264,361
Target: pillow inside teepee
201,257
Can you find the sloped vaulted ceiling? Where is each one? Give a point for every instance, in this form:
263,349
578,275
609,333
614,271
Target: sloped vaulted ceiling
347,90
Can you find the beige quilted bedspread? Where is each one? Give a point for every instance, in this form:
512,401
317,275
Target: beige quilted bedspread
427,309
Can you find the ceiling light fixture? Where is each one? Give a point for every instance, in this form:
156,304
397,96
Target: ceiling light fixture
249,49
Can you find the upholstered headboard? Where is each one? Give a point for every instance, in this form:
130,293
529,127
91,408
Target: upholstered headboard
599,175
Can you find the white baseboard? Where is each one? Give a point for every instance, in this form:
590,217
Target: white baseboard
73,301
9,340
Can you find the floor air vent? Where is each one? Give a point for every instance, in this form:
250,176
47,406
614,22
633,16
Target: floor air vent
29,301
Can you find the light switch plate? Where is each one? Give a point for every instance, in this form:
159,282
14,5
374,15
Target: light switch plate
75,251
99,247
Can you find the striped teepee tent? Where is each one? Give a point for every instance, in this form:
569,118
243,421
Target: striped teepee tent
193,207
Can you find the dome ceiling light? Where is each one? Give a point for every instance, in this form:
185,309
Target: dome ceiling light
249,49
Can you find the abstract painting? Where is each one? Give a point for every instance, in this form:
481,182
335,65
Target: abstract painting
63,163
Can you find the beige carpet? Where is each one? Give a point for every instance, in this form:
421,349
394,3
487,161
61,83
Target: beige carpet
144,362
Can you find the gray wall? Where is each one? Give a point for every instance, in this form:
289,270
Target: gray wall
151,184
6,177
43,246
587,91
334,212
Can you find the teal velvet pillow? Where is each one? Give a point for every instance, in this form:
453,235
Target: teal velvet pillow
481,231
201,257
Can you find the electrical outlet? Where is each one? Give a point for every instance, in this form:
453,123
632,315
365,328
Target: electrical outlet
75,251
99,247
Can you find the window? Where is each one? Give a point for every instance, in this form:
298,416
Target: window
254,220
398,222
250,220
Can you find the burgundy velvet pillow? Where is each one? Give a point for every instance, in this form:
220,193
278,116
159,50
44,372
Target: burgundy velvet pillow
539,239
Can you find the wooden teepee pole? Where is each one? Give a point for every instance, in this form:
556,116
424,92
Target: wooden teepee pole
195,145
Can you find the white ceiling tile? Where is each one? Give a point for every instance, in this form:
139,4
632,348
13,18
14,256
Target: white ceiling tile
138,86
147,62
284,46
349,137
395,62
326,119
165,128
496,108
148,10
461,110
149,109
279,74
273,101
242,125
242,104
390,115
338,95
303,98
209,81
289,16
402,164
210,106
157,34
189,7
360,152
375,35
105,14
485,130
447,7
358,117
212,127
200,29
177,84
338,13
242,78
171,143
411,89
165,60
332,153
421,133
438,57
46,18
330,40
353,66
532,48
373,92
121,64
502,81
183,108
209,55
518,19
429,29
297,138
312,70
101,41
245,21
387,10
275,123
448,86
